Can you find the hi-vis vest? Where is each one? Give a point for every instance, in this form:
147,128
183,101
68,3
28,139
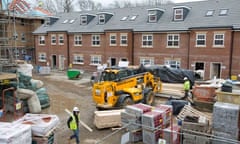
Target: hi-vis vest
73,123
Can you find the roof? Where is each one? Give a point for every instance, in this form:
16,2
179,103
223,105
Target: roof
196,18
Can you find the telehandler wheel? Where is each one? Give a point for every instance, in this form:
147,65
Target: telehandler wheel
127,101
149,98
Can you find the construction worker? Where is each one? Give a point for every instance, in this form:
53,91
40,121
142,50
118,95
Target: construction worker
186,87
73,124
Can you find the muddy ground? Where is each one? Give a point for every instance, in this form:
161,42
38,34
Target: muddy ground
65,93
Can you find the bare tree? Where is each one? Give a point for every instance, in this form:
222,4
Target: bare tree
86,5
50,6
115,4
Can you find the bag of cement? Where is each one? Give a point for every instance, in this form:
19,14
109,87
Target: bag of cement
24,93
36,84
34,104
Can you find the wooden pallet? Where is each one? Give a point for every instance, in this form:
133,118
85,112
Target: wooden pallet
190,111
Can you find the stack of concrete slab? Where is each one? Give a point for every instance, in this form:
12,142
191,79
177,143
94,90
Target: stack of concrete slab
226,123
15,133
108,118
167,111
132,119
171,134
152,123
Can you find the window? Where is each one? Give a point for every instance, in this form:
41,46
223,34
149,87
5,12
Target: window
78,59
152,16
96,59
65,21
16,53
218,40
83,20
209,13
173,40
41,40
95,40
113,40
23,37
147,41
61,40
123,40
223,12
147,61
72,21
101,19
201,40
133,17
178,14
42,57
24,51
78,40
173,63
53,39
124,18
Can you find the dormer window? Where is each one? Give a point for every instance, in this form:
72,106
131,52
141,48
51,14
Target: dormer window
83,20
178,14
210,13
223,12
101,19
104,17
152,16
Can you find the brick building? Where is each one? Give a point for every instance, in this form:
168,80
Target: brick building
202,36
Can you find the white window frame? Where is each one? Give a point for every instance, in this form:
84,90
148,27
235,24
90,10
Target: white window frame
147,60
216,39
42,57
77,40
96,40
16,53
113,39
53,38
23,37
123,39
41,40
78,59
178,14
173,40
172,63
61,39
147,40
83,19
198,39
152,16
101,19
96,59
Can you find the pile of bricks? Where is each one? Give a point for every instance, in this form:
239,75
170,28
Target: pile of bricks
149,124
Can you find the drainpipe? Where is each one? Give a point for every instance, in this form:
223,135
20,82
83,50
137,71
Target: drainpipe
231,54
188,50
132,48
68,51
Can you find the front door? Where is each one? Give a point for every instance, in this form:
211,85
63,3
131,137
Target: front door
61,62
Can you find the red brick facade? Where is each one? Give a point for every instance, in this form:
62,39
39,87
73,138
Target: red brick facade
216,61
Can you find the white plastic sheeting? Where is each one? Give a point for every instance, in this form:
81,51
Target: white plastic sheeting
41,124
15,133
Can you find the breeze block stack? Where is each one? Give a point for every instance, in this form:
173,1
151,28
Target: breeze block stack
132,119
148,124
226,123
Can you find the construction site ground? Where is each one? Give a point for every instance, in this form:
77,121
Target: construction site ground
65,93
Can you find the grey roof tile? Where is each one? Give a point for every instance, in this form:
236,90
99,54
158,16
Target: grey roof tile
195,19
